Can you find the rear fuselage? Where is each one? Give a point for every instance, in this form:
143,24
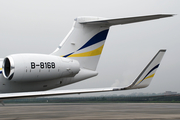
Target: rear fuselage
7,85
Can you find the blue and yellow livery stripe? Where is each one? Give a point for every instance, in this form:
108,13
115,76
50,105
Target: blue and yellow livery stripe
95,39
147,75
88,54
0,70
145,78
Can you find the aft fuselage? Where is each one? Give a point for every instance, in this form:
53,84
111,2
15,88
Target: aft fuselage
7,86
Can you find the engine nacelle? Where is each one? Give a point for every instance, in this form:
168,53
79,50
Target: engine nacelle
38,67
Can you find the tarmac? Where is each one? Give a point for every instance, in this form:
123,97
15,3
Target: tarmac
91,111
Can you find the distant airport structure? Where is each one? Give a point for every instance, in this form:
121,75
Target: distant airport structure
169,93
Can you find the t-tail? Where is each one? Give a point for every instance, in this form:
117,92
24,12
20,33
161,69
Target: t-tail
86,39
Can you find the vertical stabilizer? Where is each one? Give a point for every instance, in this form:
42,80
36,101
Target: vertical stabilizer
84,43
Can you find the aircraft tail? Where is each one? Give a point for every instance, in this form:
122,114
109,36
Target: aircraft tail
86,39
84,43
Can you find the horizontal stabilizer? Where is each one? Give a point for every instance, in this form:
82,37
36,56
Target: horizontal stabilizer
143,80
110,22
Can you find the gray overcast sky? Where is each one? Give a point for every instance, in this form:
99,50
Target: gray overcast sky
38,26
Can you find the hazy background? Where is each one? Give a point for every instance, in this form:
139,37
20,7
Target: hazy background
38,26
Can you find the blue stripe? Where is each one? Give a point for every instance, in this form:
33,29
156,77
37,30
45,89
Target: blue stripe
0,72
151,71
68,54
95,39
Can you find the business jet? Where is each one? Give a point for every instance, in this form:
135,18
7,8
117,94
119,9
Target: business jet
74,60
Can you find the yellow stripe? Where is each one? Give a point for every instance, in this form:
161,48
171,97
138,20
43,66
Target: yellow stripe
0,68
150,76
146,78
90,53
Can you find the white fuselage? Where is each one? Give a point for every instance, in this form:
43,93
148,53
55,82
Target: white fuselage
38,79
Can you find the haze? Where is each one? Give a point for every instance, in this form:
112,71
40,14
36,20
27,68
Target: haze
33,26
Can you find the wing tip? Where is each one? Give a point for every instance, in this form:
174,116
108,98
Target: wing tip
159,56
162,50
